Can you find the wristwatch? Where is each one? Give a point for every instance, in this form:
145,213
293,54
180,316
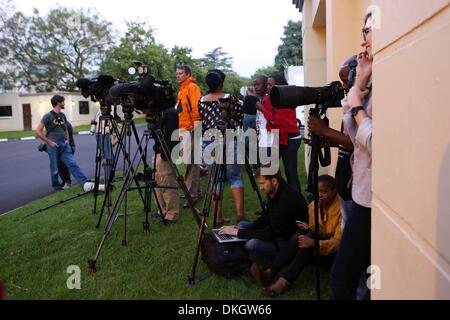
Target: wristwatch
355,110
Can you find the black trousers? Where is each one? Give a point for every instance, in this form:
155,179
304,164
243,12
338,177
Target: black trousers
353,257
291,260
289,156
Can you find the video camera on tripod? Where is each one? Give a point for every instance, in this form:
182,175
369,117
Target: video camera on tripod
97,88
147,94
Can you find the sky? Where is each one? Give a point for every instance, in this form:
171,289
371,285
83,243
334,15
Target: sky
248,30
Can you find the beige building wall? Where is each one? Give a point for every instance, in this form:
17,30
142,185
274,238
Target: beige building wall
314,53
40,105
411,141
411,160
16,120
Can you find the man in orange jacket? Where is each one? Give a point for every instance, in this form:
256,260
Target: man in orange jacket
188,115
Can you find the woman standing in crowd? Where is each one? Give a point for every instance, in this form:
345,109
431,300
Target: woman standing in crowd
211,118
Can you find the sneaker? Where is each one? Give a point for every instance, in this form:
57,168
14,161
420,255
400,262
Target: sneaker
88,186
66,186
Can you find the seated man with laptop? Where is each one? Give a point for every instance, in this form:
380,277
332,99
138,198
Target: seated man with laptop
272,230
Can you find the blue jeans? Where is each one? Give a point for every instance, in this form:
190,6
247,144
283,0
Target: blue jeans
107,152
249,121
233,172
64,151
262,251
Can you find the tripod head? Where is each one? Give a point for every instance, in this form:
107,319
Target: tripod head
226,107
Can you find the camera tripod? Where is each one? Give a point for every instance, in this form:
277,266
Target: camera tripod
104,151
155,132
124,145
313,185
214,188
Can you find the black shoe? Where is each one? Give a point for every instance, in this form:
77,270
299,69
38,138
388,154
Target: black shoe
155,214
186,204
168,222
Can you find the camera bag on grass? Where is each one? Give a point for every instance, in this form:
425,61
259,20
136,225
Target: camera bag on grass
225,259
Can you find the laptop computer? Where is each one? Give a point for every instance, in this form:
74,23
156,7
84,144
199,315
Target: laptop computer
224,238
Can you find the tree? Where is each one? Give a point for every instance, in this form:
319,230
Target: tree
52,52
217,59
233,83
290,51
138,45
266,71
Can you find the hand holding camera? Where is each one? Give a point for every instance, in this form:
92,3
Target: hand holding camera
317,126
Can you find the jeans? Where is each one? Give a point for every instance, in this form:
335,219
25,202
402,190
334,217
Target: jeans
262,251
250,123
353,257
233,172
64,151
289,156
106,152
63,171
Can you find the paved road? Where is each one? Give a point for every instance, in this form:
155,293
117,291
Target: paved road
25,173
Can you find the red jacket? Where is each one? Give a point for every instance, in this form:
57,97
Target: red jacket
285,120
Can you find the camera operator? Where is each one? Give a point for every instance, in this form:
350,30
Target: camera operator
353,257
211,115
165,175
188,117
57,145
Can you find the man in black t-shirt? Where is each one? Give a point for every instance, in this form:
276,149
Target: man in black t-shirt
57,140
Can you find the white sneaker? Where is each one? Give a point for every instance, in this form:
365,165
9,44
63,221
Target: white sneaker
88,186
66,186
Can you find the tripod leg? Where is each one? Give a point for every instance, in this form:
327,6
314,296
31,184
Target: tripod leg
147,193
251,177
112,218
108,187
191,277
213,192
128,148
98,157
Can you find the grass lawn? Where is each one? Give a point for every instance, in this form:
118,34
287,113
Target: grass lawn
35,252
31,133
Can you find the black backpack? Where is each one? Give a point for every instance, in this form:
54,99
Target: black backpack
225,259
